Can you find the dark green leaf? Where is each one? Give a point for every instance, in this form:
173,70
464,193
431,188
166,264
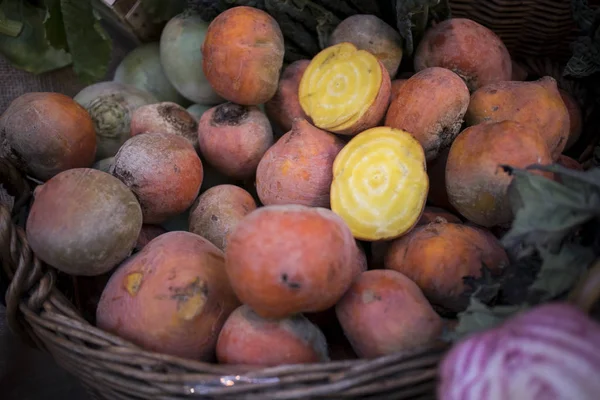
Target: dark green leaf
8,26
546,210
161,11
560,271
89,44
30,50
478,317
54,25
555,229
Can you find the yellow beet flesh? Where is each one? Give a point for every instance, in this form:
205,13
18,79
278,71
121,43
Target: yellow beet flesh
380,183
340,86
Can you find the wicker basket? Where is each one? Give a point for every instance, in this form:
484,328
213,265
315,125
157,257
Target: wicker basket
112,368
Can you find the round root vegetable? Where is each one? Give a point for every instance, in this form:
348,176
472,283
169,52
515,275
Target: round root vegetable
243,55
284,106
181,57
476,184
368,32
110,104
172,297
164,172
396,85
430,105
380,184
196,110
297,169
384,312
142,68
83,222
575,117
436,214
345,90
233,138
284,260
44,134
148,233
248,339
548,352
465,47
439,255
536,104
217,212
165,117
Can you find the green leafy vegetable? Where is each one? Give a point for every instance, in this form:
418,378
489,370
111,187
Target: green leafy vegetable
554,239
54,25
88,43
30,49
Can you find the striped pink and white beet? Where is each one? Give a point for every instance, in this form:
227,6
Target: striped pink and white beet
551,352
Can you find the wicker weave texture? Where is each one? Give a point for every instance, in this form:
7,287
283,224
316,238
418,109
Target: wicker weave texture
529,28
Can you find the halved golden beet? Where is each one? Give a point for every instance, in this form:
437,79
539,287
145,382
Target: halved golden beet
380,183
345,90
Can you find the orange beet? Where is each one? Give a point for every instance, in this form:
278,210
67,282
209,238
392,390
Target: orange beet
384,312
439,255
430,105
44,134
248,339
233,138
286,259
216,213
243,55
396,85
537,105
575,117
475,182
172,297
434,214
164,172
284,106
469,49
297,169
166,117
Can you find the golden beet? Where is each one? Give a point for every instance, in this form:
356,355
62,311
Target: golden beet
297,169
465,47
537,105
287,259
475,182
437,257
248,339
430,105
243,55
345,90
384,312
380,183
172,297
